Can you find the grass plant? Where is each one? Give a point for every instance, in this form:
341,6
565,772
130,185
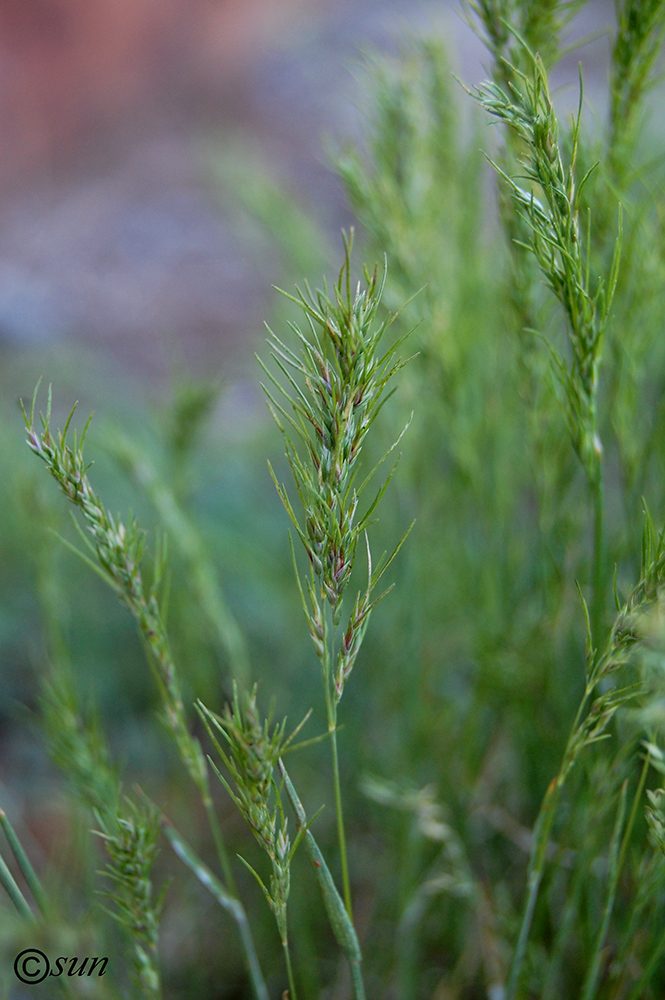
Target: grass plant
497,821
345,376
345,380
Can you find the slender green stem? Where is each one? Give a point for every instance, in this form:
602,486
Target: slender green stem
596,486
23,861
13,891
251,958
545,819
191,546
341,923
289,971
567,926
616,854
346,885
357,981
541,836
222,853
331,709
226,900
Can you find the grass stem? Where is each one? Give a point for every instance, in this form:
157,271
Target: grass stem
222,853
226,900
616,854
596,487
23,862
289,971
357,981
340,922
541,836
13,891
341,836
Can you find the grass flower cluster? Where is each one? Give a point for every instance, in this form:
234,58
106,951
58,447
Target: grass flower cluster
557,244
251,758
131,844
342,376
344,381
119,550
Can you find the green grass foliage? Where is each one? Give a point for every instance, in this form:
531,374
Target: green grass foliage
481,814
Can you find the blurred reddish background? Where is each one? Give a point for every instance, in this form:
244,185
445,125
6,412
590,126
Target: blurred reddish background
114,233
76,75
109,232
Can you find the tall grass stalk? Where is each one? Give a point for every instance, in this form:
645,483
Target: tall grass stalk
8,883
128,829
334,390
227,901
340,921
117,552
591,723
562,252
250,753
23,862
189,543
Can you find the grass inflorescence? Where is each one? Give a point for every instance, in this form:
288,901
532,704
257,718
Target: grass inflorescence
341,377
